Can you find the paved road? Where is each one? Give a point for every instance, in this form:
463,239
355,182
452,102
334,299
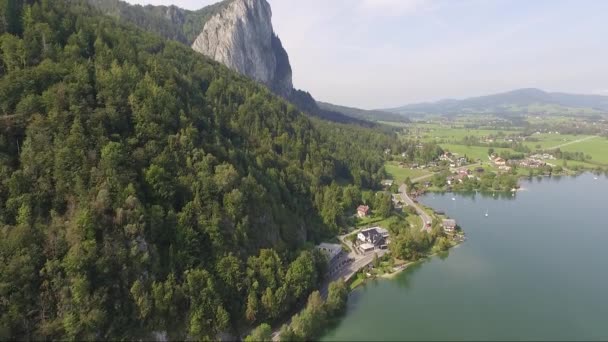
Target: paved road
426,218
360,261
572,142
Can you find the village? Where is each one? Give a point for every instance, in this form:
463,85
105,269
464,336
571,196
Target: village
359,249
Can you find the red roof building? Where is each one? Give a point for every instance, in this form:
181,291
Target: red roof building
362,210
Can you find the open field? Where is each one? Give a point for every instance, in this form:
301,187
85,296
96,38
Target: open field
547,141
448,133
597,148
399,174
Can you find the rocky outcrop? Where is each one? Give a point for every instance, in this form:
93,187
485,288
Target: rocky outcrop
241,37
236,33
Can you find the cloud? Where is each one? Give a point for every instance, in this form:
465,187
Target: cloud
397,7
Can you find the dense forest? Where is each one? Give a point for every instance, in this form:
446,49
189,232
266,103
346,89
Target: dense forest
170,22
145,189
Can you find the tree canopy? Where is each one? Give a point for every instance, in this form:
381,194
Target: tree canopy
145,188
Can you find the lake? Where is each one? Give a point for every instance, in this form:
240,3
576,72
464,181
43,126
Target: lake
535,268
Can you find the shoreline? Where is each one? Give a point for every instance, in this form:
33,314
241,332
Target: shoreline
520,188
397,270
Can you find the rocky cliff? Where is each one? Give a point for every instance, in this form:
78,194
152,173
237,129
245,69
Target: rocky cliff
241,37
236,33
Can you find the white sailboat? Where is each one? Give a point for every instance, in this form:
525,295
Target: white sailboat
487,214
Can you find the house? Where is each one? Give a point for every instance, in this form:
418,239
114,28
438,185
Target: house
387,182
362,211
461,176
376,236
366,247
330,250
382,232
500,162
449,225
397,201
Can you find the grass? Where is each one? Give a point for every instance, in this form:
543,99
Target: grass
399,174
378,220
597,148
356,282
414,220
450,133
369,220
547,141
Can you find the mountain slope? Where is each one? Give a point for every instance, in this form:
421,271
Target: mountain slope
146,190
170,22
236,33
369,115
521,101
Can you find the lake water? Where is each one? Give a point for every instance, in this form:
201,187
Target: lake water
536,268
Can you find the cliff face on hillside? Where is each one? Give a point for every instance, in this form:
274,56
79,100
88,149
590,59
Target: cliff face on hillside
241,37
236,33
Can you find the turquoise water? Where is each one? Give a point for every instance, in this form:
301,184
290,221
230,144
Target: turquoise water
536,268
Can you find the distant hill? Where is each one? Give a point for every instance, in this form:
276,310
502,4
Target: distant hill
516,102
362,114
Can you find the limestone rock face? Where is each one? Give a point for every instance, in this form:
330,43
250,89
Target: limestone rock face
241,37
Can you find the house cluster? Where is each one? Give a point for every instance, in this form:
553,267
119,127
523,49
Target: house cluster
449,225
372,238
497,161
460,176
531,163
453,159
362,211
508,139
500,163
543,156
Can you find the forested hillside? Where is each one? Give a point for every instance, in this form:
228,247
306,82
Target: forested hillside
369,115
167,21
144,188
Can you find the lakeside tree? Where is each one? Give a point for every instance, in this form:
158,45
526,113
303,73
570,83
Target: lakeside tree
310,323
262,333
383,204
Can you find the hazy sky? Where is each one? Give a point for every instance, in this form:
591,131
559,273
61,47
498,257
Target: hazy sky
385,53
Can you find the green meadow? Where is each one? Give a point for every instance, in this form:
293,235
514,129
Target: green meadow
597,148
399,174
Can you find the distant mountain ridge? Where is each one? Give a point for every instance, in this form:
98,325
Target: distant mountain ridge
516,102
